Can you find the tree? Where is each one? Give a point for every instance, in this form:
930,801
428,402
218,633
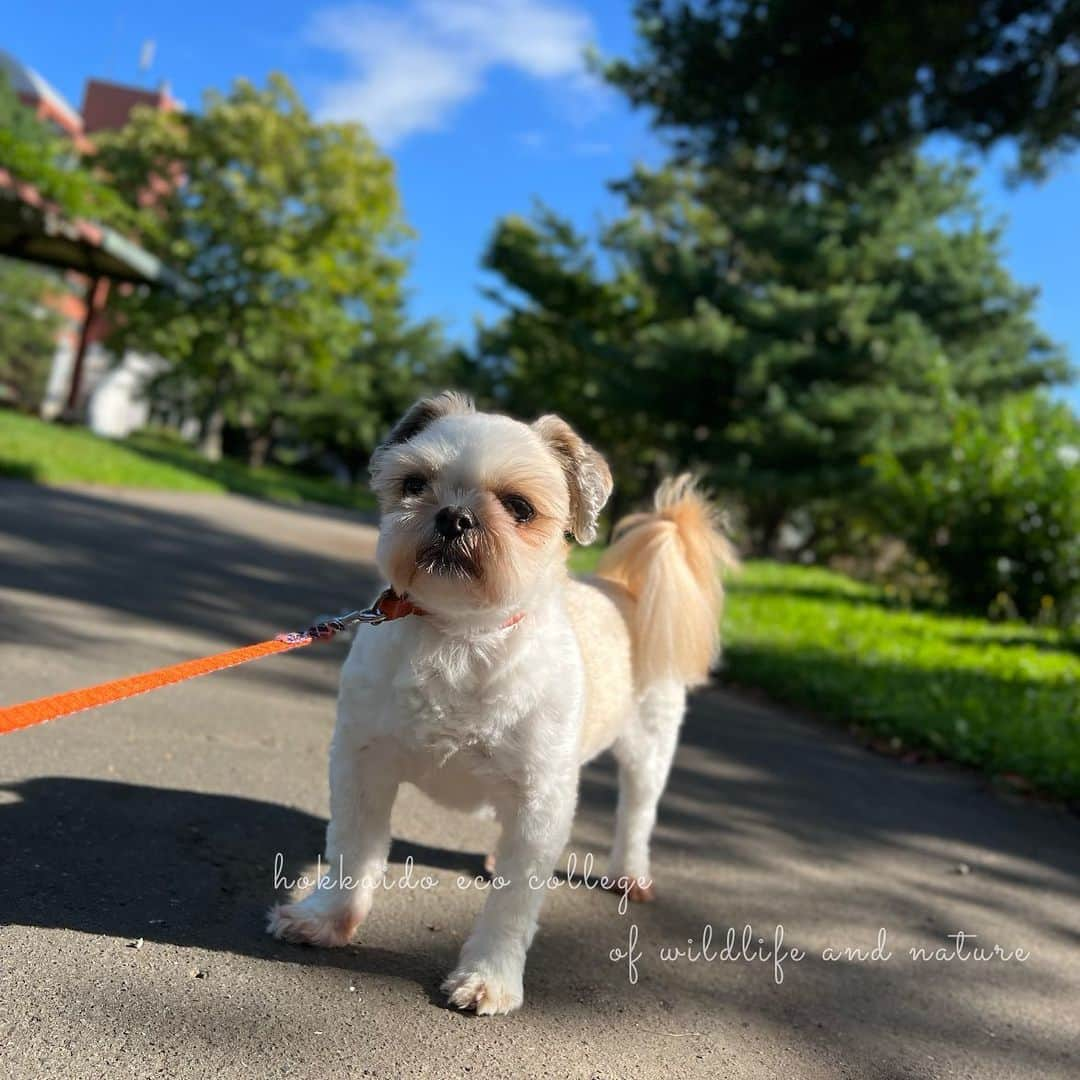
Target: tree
566,345
772,341
28,328
288,233
348,410
838,87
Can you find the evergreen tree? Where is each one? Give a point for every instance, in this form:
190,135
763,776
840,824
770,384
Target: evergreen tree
837,87
774,341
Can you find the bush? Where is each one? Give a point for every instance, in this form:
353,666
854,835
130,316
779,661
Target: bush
998,515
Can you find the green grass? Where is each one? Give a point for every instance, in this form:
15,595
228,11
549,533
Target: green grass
1000,696
54,454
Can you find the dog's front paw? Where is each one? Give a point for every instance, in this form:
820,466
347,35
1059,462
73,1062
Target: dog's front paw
484,990
306,924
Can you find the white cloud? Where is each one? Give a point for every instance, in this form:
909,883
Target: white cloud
410,65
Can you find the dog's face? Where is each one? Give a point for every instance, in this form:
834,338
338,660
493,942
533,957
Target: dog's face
475,506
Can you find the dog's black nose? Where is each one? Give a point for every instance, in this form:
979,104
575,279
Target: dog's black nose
452,521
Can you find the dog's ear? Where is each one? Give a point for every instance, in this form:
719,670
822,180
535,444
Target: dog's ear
418,416
587,475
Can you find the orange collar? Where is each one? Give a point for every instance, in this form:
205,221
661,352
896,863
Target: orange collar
391,606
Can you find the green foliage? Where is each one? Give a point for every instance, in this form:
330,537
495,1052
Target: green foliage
289,233
28,329
569,347
51,454
774,342
36,155
349,408
998,515
841,86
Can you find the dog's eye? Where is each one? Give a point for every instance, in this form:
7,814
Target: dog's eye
519,508
413,485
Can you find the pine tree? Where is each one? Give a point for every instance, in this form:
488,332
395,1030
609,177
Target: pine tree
841,86
773,341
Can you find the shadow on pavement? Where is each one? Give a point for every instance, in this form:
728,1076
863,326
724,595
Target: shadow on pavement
191,869
741,764
166,566
767,818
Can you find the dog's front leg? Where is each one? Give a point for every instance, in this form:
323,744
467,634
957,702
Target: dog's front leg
363,784
490,970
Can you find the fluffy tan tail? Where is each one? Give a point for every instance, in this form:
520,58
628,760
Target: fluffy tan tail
670,561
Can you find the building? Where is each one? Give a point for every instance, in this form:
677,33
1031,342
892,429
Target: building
48,104
84,380
107,105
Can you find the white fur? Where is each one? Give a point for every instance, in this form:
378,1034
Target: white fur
475,713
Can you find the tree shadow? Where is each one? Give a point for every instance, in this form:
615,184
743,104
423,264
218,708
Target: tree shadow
1001,724
771,819
757,799
1020,639
837,594
170,567
177,867
740,761
17,470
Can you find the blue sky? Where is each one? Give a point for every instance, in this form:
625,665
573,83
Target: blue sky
483,104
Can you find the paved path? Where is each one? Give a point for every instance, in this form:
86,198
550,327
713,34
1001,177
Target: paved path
158,821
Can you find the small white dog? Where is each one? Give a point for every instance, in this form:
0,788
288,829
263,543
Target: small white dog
509,674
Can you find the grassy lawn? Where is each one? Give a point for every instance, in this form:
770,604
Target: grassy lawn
53,454
1000,696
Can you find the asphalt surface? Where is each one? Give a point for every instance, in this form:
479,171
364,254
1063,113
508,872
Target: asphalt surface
138,845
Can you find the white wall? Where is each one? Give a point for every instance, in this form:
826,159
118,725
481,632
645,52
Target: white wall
116,406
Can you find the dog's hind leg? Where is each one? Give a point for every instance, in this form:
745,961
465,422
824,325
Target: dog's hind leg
644,753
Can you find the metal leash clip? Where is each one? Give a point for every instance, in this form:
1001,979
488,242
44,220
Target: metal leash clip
326,626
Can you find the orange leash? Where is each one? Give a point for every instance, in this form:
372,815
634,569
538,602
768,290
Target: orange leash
30,713
15,717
